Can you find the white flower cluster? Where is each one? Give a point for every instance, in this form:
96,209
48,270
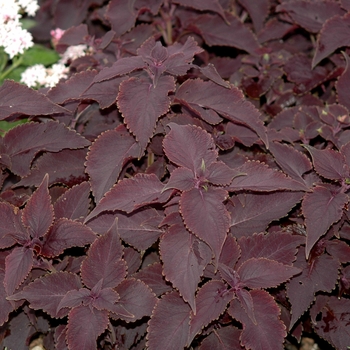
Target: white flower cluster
38,75
13,37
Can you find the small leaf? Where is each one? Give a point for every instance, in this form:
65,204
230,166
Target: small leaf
38,212
46,293
172,334
83,335
182,179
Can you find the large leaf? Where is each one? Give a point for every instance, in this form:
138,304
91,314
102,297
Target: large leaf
46,293
211,302
196,143
334,34
131,194
321,275
8,217
38,212
19,99
252,212
224,338
277,246
172,334
18,265
135,297
265,273
141,104
269,331
104,261
260,177
65,234
205,215
21,147
229,103
321,208
184,259
83,335
106,158
5,305
342,84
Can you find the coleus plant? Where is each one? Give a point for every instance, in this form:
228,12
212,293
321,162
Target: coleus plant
187,186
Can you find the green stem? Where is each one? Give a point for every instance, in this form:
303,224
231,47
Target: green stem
15,64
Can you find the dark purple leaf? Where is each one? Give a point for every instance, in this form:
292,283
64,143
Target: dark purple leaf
229,103
19,99
230,252
65,234
203,5
8,217
105,299
205,215
83,335
269,331
225,338
260,177
257,12
20,145
252,212
211,302
38,215
264,273
321,208
130,194
107,156
104,261
184,259
334,34
182,179
5,305
75,298
66,166
74,203
135,297
172,334
343,83
211,73
18,265
46,293
339,250
141,104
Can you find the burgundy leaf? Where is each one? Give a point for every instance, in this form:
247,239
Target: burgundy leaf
225,338
247,303
182,179
107,156
320,275
75,298
20,145
230,252
218,173
321,208
5,305
269,331
133,259
229,103
18,265
259,177
66,166
105,299
65,234
140,229
46,293
196,143
122,66
205,215
328,163
83,335
203,5
292,162
310,16
137,298
211,302
172,334
104,261
342,84
153,278
130,194
216,31
184,259
257,12
339,250
252,212
74,203
333,35
265,273
277,246
121,15
38,212
211,73
8,217
20,99
141,104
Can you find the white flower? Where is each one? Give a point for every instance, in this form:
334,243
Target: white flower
73,52
55,73
29,6
34,76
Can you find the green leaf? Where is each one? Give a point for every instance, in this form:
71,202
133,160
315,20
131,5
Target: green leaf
39,54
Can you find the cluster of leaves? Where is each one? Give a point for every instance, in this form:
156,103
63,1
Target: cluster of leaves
187,186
